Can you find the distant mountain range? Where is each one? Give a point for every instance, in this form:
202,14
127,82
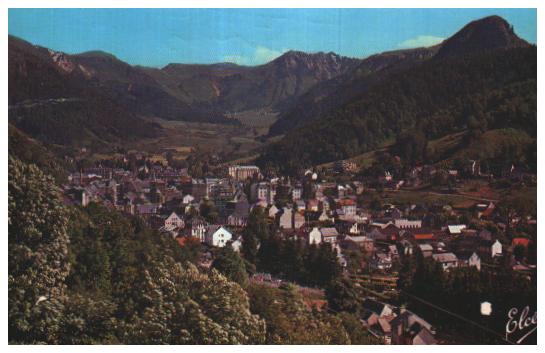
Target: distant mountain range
330,106
106,98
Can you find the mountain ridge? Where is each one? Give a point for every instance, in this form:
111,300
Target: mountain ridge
490,87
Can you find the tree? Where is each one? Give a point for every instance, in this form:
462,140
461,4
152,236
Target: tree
88,321
411,146
321,265
355,330
37,255
290,321
231,265
256,230
268,255
208,211
342,296
406,272
177,304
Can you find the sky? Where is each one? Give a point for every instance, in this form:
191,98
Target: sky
156,37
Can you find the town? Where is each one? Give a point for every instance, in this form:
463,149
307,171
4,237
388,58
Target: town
347,211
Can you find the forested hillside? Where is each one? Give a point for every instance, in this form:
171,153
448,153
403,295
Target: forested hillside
328,95
480,91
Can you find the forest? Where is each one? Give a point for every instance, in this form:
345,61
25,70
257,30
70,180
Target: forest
471,93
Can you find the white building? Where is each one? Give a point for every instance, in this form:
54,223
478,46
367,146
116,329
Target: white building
404,223
237,245
456,229
286,219
187,199
217,235
496,248
273,211
243,172
315,236
297,193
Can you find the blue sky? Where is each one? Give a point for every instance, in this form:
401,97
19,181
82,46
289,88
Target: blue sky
156,37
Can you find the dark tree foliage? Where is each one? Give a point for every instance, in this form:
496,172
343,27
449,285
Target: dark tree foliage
230,264
493,89
411,146
256,230
37,255
314,265
208,211
290,321
342,296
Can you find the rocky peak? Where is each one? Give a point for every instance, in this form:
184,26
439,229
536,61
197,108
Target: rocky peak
485,34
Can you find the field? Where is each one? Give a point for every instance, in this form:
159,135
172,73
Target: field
232,142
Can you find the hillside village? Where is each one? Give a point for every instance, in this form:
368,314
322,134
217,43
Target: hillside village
300,197
369,239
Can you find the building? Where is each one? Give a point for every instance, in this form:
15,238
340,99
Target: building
381,309
313,205
217,235
426,249
315,236
298,220
329,235
197,229
297,193
239,217
381,261
409,328
456,229
262,192
199,189
243,172
404,223
468,259
348,207
174,221
273,211
447,260
345,167
286,218
490,248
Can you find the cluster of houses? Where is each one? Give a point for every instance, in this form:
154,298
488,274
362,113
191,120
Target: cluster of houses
307,209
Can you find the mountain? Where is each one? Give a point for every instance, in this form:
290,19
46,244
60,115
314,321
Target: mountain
93,98
467,90
328,95
230,87
135,90
31,151
51,100
485,34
